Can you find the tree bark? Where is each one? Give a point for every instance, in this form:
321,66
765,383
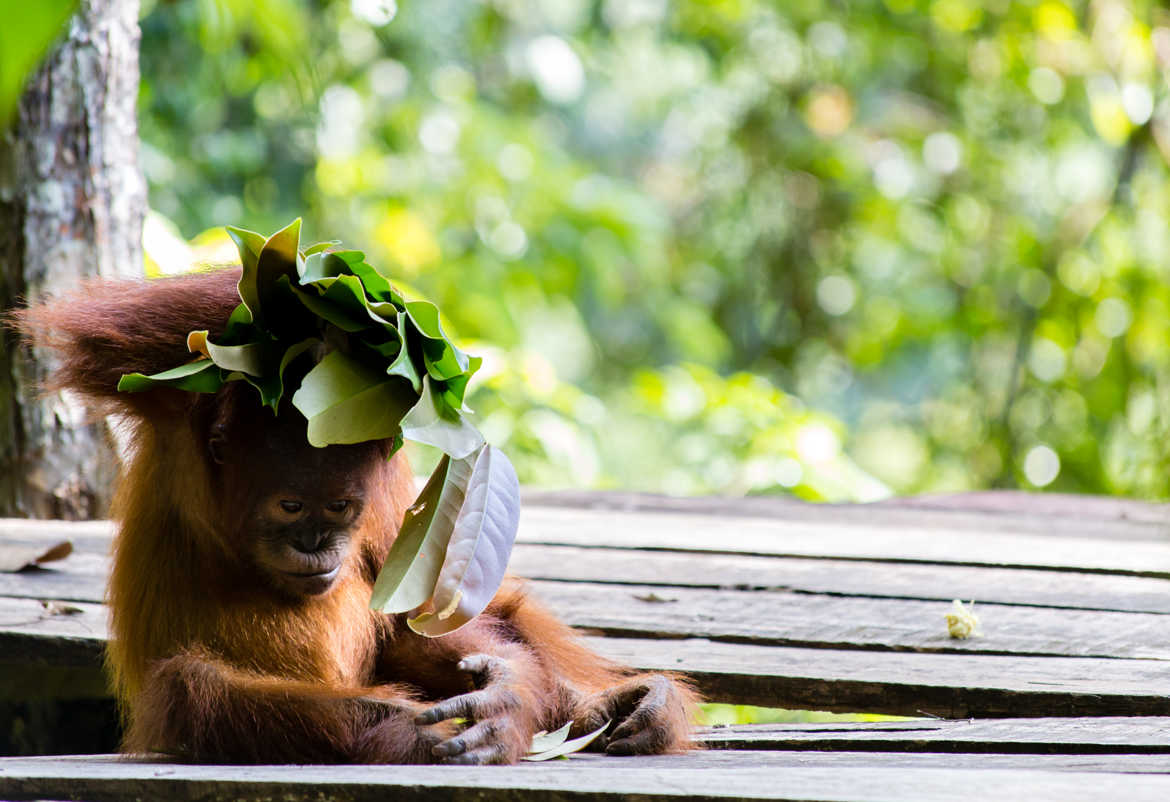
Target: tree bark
72,200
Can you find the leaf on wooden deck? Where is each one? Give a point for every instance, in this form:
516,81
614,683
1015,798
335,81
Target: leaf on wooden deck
18,558
60,608
962,623
566,748
545,740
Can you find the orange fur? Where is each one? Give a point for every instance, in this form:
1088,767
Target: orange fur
209,662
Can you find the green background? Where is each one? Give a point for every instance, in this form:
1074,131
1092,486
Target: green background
840,249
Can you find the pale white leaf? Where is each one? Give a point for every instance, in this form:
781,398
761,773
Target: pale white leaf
478,549
544,741
424,423
568,747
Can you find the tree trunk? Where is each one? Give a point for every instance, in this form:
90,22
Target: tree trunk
72,200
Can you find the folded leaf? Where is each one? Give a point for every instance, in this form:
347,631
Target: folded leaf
568,747
426,423
271,385
443,360
201,376
543,741
478,547
346,402
279,257
255,359
455,388
408,576
318,247
377,285
249,244
335,306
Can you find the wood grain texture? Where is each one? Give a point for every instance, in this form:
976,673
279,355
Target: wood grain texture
857,578
1060,514
783,618
1136,735
82,576
777,617
899,683
948,685
72,201
581,778
855,532
828,538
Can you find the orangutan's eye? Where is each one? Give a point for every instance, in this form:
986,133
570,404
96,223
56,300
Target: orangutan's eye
341,505
291,507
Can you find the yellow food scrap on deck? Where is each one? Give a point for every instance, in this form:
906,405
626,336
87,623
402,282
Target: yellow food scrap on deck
962,622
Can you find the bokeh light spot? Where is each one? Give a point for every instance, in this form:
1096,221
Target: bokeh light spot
836,294
1041,466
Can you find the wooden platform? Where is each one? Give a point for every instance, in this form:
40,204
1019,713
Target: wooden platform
767,602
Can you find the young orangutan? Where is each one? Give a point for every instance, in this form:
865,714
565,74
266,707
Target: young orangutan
243,568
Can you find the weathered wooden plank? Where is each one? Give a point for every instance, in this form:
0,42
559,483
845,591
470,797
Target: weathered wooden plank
80,532
821,539
33,638
1059,514
82,577
78,620
822,621
1050,506
79,578
1133,735
898,683
770,618
774,617
1062,589
585,778
1108,763
855,532
947,685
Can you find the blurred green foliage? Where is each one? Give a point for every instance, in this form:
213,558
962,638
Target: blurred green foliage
841,249
716,715
26,34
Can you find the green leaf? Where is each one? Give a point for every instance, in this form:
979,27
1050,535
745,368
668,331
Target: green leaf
346,402
343,302
394,350
478,547
318,247
201,376
280,256
456,387
239,326
271,386
317,267
568,747
27,33
408,576
389,314
249,244
426,423
254,359
328,309
377,285
442,359
403,365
